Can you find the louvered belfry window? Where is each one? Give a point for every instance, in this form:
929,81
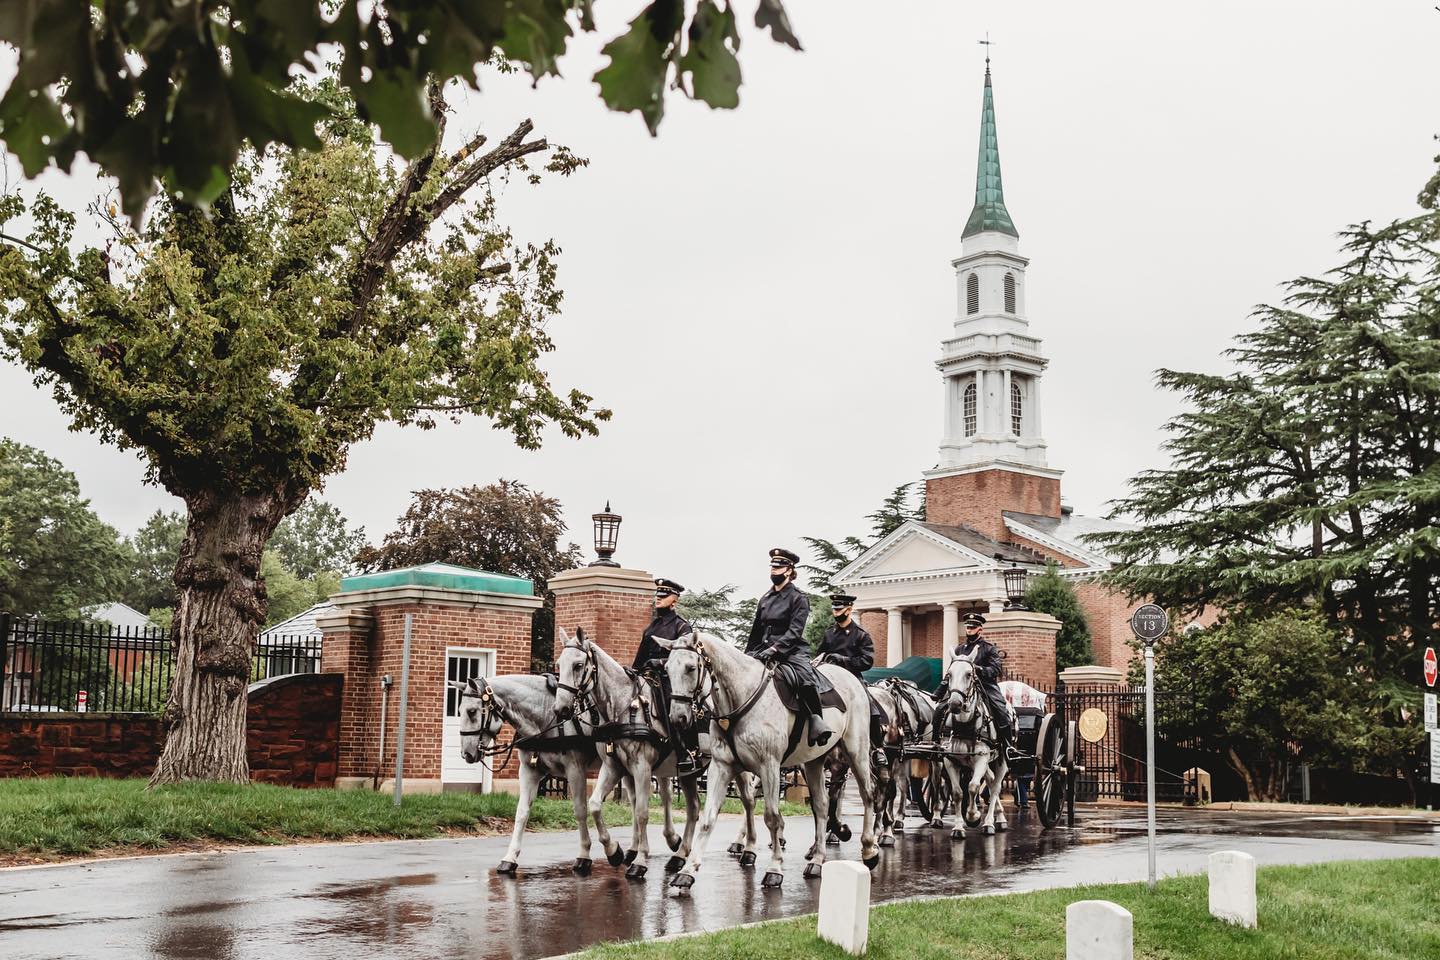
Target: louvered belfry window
1010,293
970,409
972,294
1017,408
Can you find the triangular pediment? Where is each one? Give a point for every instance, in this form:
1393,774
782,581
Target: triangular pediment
910,551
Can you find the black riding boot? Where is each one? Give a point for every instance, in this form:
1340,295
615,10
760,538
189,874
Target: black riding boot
877,743
687,745
818,733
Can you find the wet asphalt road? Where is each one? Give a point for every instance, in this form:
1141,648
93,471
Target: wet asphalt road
434,898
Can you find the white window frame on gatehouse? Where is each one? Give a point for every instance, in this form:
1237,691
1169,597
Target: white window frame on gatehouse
453,768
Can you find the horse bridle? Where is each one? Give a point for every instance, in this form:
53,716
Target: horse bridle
585,689
708,674
490,709
971,702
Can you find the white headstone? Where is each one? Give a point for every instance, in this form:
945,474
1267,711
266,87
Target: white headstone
1098,930
845,905
1232,887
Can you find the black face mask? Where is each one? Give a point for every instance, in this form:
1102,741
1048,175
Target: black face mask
778,578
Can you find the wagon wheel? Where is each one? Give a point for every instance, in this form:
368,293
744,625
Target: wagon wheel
1052,769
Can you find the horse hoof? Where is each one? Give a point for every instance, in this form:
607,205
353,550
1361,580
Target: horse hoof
674,843
583,865
506,868
636,871
938,824
872,862
747,859
630,855
683,881
736,848
831,840
673,864
887,841
844,832
957,834
989,830
772,879
812,870
1002,827
616,857
899,826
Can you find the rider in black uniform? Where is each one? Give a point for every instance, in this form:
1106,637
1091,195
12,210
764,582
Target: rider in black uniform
650,659
987,670
847,644
778,637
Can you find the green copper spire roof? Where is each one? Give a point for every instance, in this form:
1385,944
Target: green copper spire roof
989,212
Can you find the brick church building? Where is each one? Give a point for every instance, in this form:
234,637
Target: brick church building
993,501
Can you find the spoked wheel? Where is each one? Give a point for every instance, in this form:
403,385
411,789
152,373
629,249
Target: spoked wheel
1051,771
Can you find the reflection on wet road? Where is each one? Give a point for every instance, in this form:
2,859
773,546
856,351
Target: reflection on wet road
430,898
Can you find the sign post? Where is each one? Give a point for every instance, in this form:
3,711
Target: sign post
1431,671
1150,622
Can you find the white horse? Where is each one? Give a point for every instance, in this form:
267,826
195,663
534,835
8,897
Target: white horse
915,719
971,743
836,831
546,749
628,712
751,731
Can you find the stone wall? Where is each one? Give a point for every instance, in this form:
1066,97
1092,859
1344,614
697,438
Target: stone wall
292,737
979,498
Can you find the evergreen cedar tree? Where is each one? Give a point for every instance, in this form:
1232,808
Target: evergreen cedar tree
214,77
243,349
1309,477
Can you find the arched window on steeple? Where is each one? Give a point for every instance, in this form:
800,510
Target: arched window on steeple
972,294
1017,408
1010,293
970,409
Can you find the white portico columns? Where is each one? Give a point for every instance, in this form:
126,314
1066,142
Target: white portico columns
950,637
894,637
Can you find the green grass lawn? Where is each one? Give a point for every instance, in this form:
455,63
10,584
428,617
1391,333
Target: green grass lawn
1372,910
60,816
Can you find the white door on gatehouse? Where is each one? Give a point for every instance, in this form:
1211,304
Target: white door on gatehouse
461,664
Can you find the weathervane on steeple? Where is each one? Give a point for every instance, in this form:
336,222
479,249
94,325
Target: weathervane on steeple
987,43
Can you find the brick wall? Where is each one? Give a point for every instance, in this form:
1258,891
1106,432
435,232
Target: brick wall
612,619
1029,654
367,655
978,499
876,623
927,634
293,726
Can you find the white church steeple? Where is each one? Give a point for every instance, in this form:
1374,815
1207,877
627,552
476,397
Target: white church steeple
991,365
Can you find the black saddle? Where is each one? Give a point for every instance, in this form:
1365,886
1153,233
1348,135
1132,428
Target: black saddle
829,696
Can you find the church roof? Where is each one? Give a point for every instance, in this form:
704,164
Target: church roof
981,544
989,212
1070,528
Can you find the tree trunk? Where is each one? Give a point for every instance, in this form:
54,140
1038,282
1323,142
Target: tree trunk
221,608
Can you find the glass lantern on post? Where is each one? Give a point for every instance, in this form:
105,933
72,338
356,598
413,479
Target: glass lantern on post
1015,577
607,534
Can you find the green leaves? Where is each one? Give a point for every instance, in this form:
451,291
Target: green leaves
640,62
213,76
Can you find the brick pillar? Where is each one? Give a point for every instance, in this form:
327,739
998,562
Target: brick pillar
1027,639
346,649
450,607
1093,679
613,604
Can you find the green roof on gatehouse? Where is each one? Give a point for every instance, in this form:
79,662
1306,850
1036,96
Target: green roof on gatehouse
443,575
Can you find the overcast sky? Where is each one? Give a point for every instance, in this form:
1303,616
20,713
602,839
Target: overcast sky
760,295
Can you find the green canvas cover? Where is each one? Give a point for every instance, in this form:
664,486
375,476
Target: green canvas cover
924,672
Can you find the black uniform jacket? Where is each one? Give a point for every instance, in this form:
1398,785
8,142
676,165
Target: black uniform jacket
850,647
780,623
667,625
987,669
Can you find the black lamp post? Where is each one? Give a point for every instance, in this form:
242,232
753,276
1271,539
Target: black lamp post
1015,588
607,533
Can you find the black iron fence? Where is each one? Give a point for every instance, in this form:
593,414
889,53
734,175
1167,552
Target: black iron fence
48,666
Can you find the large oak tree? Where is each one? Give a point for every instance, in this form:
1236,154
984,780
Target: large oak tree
243,350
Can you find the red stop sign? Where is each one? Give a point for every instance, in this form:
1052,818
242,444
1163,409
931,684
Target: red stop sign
1430,666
